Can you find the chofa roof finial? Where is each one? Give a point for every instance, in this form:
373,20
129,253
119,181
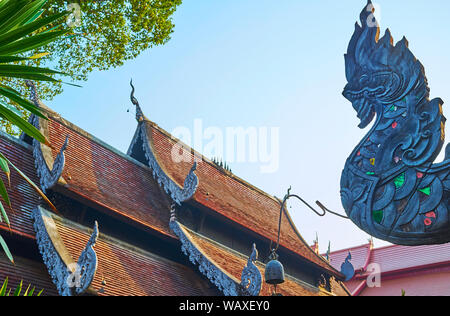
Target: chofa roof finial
34,97
139,114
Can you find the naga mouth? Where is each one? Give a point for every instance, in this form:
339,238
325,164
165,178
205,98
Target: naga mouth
365,110
364,93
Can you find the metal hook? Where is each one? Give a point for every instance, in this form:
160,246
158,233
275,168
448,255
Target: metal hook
283,204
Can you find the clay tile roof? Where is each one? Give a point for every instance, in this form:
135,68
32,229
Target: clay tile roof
231,197
110,179
29,272
129,271
232,263
22,196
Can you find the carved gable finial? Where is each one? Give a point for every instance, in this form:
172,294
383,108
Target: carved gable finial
34,97
139,114
251,279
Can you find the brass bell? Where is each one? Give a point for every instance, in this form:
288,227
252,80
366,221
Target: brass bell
274,273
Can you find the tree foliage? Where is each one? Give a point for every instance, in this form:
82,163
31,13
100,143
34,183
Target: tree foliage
111,32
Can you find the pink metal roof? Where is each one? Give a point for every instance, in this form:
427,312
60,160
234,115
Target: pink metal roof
395,258
420,270
359,257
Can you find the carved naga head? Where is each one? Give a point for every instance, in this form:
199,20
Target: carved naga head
380,74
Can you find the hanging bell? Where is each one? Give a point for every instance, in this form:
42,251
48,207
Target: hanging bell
274,273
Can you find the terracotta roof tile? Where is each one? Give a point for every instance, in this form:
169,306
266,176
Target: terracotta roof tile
130,271
110,180
30,272
23,197
232,197
233,264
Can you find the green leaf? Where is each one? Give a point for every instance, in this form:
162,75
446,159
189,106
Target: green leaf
6,249
32,291
4,286
37,77
13,69
39,294
31,43
35,17
22,102
5,216
18,289
4,193
4,166
22,124
10,59
34,186
10,8
10,89
21,16
26,292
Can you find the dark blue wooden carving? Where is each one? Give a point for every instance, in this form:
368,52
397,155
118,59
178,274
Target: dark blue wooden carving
390,186
347,268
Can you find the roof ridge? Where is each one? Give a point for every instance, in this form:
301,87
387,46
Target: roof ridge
353,248
58,118
210,162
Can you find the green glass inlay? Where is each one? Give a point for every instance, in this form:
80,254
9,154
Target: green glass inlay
370,173
393,108
426,191
399,181
378,216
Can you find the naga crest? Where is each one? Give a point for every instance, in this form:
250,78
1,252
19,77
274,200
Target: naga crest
390,187
379,73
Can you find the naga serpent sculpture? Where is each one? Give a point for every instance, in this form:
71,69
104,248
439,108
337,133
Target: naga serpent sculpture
390,186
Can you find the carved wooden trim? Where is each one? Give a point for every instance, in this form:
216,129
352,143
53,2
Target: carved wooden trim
70,278
251,280
177,193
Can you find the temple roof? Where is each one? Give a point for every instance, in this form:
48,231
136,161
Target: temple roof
124,270
225,194
23,197
108,179
133,191
231,263
115,182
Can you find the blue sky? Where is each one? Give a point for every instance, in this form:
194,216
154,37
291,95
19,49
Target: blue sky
264,63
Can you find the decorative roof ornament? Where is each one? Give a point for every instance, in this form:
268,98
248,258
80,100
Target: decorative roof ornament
177,193
251,280
347,268
48,178
34,96
48,170
70,278
87,263
390,187
139,114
